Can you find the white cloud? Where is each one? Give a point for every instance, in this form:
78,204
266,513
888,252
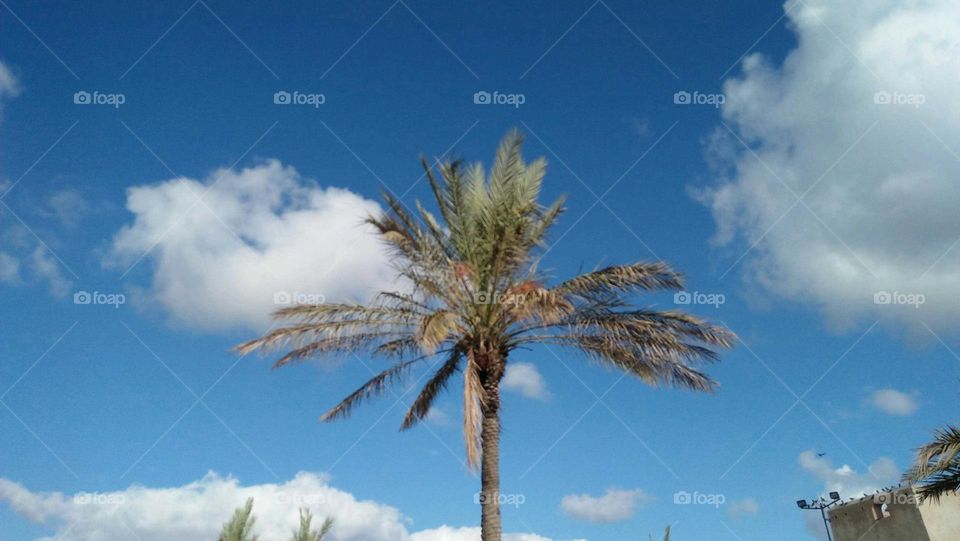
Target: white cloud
893,402
48,269
526,380
846,480
743,508
615,505
9,268
68,206
25,261
197,510
267,231
9,84
437,416
884,199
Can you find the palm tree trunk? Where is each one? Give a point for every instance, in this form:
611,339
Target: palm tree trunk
490,466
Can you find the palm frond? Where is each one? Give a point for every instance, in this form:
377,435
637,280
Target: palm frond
373,387
936,467
435,328
240,526
655,365
473,400
638,276
306,533
421,406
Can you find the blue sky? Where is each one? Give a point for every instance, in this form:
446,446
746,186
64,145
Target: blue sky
797,200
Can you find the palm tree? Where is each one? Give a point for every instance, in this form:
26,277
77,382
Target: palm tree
305,533
475,295
666,536
240,527
937,465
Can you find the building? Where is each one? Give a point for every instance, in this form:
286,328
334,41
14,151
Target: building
897,515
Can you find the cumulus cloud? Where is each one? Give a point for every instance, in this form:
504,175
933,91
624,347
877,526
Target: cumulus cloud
197,510
894,402
262,235
861,122
9,268
524,378
847,481
748,507
25,261
437,416
68,206
46,268
9,84
615,505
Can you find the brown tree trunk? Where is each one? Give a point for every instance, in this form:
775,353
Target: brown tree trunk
490,464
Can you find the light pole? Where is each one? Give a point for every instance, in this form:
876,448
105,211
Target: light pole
822,505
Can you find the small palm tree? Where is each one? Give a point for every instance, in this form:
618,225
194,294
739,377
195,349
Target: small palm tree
240,527
666,536
476,296
305,533
936,468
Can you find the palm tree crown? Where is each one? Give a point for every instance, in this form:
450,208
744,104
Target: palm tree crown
937,465
475,295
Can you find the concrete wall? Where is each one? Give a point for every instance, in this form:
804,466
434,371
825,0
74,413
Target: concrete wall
943,519
856,521
908,520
